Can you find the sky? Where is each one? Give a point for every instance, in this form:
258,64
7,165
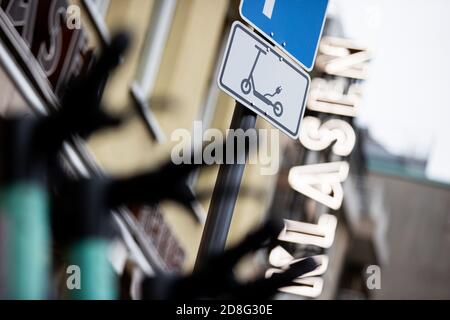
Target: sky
407,96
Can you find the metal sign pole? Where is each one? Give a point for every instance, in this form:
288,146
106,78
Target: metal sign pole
225,194
290,85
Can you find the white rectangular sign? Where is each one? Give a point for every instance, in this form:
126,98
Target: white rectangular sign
263,80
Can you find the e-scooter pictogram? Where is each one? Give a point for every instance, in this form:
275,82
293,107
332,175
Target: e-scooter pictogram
248,83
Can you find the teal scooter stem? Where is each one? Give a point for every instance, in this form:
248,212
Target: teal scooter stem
82,222
24,206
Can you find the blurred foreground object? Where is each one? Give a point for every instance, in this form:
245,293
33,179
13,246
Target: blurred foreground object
215,279
29,145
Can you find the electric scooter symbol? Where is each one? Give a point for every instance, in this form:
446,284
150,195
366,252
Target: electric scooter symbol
248,83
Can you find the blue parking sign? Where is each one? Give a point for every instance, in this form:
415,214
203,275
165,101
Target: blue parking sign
295,26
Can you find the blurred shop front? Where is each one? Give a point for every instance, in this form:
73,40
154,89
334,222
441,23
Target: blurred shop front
327,189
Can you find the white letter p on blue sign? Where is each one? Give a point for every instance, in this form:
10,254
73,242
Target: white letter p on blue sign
268,8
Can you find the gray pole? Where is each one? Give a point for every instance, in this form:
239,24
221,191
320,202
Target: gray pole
225,195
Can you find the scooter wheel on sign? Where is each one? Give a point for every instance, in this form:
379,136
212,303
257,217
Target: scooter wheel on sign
246,86
278,109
